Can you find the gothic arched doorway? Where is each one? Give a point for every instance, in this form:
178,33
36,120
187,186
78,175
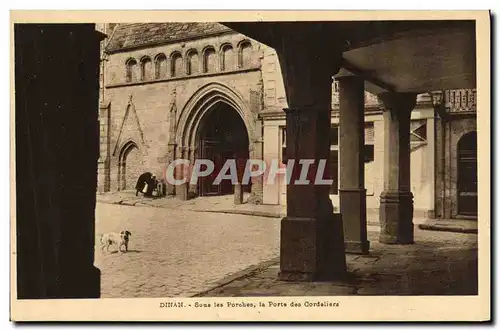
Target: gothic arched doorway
130,166
222,135
467,174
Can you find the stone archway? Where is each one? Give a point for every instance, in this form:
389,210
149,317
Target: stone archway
200,113
467,174
222,136
129,166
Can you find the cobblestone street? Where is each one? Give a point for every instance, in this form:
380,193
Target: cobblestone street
439,263
178,252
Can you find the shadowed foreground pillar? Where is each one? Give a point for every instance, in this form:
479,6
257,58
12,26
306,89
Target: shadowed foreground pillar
352,164
312,243
396,200
57,148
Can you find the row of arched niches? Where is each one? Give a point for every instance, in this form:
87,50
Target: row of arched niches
193,62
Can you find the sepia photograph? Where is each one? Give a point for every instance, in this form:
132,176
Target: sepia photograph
184,166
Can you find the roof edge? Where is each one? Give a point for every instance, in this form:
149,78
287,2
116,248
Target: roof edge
167,42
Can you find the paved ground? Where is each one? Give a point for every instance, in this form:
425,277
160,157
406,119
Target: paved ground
439,263
220,204
178,252
225,204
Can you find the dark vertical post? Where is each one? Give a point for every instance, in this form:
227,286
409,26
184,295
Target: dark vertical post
352,164
57,148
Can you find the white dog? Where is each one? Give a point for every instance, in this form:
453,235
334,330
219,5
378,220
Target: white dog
121,239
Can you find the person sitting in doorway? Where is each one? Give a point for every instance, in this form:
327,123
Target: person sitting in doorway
142,182
151,186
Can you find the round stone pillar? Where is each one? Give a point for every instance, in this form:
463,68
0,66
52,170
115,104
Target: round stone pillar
352,164
312,242
396,201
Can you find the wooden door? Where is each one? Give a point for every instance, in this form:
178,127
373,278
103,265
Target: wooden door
467,175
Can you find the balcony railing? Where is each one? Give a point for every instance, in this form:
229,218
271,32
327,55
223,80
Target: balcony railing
456,101
463,100
370,99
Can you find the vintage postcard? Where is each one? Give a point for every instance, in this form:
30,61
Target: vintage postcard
250,166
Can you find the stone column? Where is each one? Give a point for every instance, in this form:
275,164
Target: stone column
103,164
172,145
171,156
352,165
396,201
312,243
238,194
431,166
182,190
192,156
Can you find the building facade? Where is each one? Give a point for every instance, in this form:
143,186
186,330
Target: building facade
200,90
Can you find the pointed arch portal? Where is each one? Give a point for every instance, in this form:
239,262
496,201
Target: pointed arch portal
222,136
213,126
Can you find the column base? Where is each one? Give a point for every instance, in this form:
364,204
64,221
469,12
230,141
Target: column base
357,247
170,189
396,218
353,210
182,191
238,194
310,249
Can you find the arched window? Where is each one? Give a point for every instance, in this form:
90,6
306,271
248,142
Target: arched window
245,54
160,66
209,60
175,64
227,57
131,74
192,62
146,68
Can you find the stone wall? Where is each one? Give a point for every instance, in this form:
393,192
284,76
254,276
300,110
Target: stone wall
140,111
448,135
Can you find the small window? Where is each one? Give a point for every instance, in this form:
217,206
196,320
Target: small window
369,153
131,70
176,66
209,60
335,86
369,133
284,158
227,61
146,68
161,66
334,135
192,63
245,54
418,131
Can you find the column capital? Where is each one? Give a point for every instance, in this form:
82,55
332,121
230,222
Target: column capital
398,100
308,68
350,78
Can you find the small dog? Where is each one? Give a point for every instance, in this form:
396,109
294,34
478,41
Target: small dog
121,239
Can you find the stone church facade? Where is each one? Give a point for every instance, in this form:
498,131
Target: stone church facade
201,90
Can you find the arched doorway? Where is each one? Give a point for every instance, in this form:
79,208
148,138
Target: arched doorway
467,174
130,167
222,135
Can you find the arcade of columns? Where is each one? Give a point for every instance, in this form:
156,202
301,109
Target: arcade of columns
314,240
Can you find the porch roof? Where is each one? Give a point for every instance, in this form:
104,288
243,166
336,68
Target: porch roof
398,56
